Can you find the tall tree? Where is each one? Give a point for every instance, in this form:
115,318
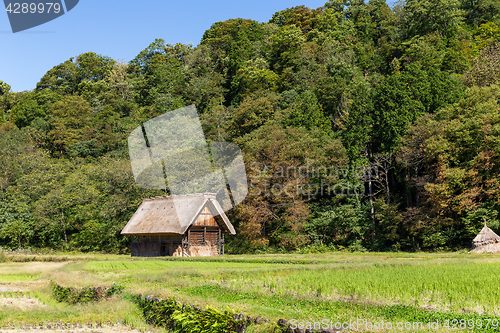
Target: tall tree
426,16
279,162
71,116
94,67
300,16
4,88
232,39
62,79
401,99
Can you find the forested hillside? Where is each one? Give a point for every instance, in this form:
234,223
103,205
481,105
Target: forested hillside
362,127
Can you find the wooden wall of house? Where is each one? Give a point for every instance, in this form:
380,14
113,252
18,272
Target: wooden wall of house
201,243
205,219
205,235
205,240
156,246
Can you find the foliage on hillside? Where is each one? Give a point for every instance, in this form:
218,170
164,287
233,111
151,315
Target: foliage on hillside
362,126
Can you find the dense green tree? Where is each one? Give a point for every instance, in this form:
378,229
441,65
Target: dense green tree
253,112
70,117
232,39
486,35
305,111
67,205
62,79
19,154
4,88
16,220
382,18
254,75
307,67
402,99
359,13
94,67
285,43
119,83
33,105
356,120
164,78
344,223
205,85
141,63
425,51
334,22
481,11
427,16
65,78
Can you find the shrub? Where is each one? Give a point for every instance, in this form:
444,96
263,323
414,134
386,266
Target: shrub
83,295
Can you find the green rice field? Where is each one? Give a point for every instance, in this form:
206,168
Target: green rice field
339,287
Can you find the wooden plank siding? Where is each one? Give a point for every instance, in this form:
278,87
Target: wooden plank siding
204,235
205,218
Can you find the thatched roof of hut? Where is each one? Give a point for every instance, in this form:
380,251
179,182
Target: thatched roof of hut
486,241
173,214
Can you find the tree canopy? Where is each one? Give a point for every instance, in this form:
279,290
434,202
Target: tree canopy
362,126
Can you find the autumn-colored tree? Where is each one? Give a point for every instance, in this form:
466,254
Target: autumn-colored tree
300,16
253,112
279,168
486,68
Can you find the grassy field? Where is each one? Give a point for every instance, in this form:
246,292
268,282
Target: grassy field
366,288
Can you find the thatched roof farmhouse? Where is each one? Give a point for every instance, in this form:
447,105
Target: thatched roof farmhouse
183,225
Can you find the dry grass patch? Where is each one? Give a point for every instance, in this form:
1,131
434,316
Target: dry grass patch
29,268
20,303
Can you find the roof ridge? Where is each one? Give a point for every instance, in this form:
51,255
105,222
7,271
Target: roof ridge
206,194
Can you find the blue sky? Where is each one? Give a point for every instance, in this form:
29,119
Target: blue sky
118,29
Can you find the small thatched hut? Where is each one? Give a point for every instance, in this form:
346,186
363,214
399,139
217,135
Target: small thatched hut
486,241
183,225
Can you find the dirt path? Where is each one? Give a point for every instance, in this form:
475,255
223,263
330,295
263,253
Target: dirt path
72,329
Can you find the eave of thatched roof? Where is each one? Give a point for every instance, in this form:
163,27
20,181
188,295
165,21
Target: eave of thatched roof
494,248
173,215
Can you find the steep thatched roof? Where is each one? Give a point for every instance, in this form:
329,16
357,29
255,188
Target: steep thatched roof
173,215
486,241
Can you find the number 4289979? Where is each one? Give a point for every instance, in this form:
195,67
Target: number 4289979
40,8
